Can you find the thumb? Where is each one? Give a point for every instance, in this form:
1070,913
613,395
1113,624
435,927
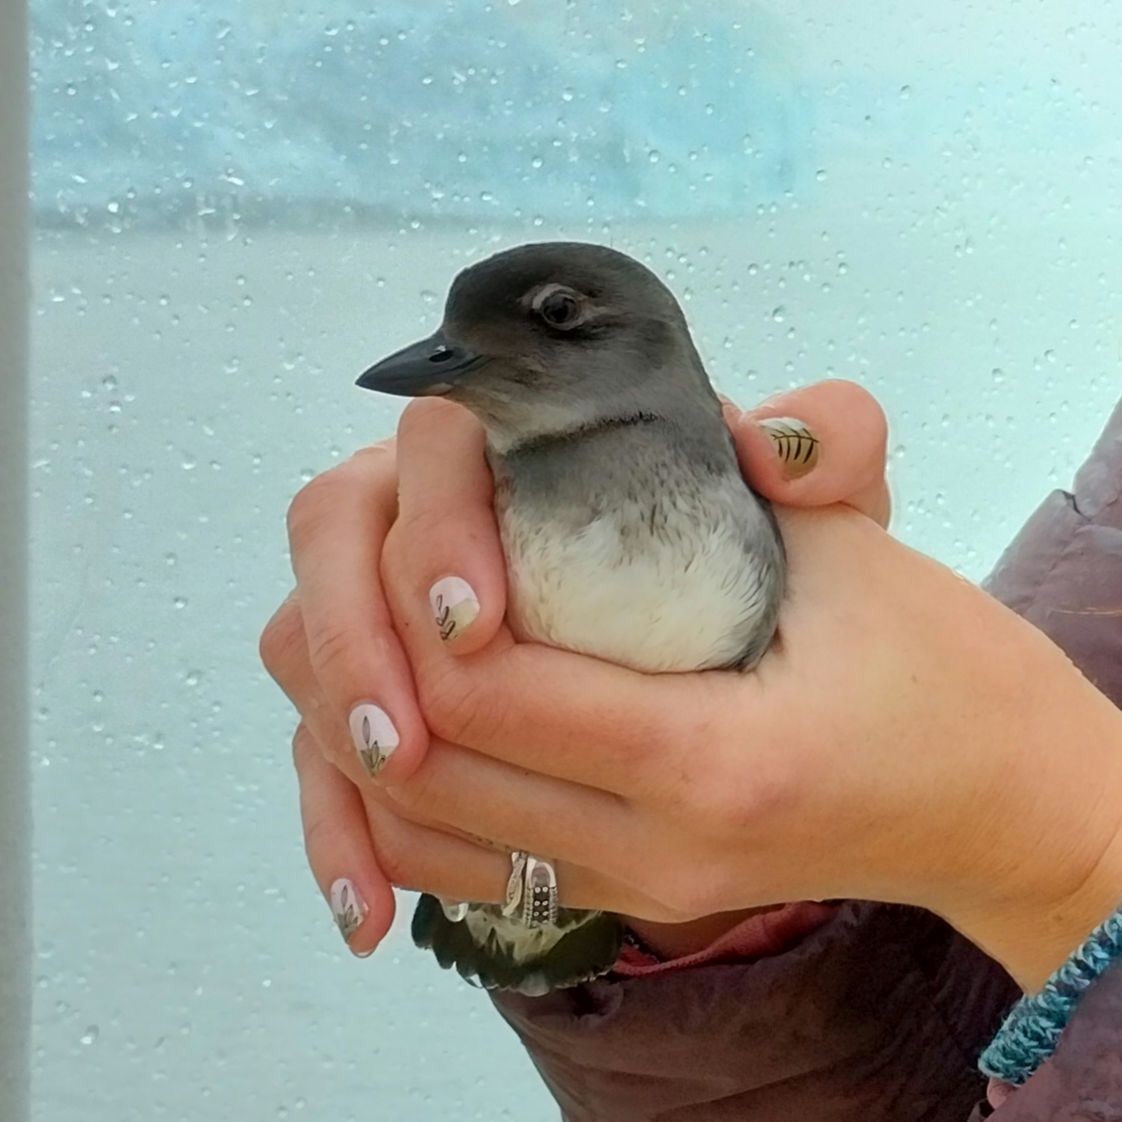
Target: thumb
817,446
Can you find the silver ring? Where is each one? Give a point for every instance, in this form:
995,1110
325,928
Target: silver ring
531,890
539,893
515,885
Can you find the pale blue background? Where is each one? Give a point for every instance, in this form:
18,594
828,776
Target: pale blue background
238,210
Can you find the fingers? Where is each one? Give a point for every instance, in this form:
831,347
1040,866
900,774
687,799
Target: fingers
446,544
337,526
287,660
518,809
817,446
552,711
423,859
339,849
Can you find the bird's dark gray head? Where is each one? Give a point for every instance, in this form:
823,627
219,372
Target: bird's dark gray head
552,337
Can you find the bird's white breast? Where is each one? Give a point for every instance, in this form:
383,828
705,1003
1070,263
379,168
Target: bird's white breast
661,586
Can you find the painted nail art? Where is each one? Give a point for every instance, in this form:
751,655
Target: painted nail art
348,908
374,736
454,606
796,445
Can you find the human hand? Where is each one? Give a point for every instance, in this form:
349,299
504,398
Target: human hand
331,643
909,740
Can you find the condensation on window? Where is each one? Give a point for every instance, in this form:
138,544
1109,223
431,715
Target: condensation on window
239,207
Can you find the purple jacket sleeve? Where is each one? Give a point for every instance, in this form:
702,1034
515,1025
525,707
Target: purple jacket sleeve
1063,572
881,1013
1084,1078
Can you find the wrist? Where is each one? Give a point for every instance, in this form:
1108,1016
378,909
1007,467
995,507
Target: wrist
1057,871
1034,940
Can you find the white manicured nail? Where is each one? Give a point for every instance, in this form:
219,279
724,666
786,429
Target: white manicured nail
454,606
374,736
348,908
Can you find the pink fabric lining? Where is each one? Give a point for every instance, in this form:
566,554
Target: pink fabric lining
768,933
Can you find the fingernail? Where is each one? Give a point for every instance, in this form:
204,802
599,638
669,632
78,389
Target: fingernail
374,736
454,606
454,910
348,908
797,447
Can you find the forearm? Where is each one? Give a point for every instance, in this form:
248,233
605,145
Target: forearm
1060,873
1063,573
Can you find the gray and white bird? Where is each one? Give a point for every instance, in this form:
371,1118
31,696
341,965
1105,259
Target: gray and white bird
628,530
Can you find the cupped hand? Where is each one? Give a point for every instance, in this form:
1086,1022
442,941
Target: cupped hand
908,739
333,648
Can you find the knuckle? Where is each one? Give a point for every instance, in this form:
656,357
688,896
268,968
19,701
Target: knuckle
303,747
310,506
374,470
330,648
281,638
452,709
754,805
395,858
375,455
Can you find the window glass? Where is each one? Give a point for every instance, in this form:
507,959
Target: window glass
239,207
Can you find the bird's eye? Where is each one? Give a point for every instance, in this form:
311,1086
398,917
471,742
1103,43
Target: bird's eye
559,308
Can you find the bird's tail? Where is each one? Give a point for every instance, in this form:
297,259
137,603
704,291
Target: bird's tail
501,954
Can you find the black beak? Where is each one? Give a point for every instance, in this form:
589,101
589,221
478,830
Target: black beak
431,366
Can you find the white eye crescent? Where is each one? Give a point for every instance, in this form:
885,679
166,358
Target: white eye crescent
558,306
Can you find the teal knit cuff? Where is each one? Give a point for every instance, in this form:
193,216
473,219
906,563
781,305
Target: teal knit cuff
1032,1030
